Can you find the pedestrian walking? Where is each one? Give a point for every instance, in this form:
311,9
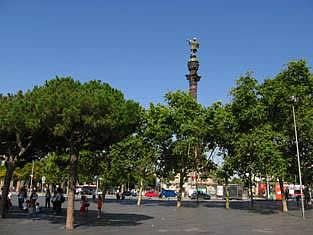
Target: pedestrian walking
37,208
29,208
53,200
10,199
33,197
84,206
99,205
21,198
48,198
59,200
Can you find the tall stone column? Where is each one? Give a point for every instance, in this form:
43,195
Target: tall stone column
193,66
193,78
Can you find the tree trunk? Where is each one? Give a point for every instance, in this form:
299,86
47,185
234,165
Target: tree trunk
251,190
179,196
62,186
71,191
10,166
18,186
227,193
140,193
284,202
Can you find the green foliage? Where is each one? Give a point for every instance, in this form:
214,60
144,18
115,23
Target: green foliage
135,156
25,172
91,115
246,106
89,166
2,172
55,168
85,120
258,152
294,81
21,125
180,133
256,132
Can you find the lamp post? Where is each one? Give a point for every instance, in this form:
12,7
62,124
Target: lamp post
97,184
97,178
31,177
298,157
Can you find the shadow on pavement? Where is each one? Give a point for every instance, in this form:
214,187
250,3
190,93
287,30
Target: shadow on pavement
107,219
265,207
111,219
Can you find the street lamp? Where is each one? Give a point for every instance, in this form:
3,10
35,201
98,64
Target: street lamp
97,178
299,168
31,177
97,184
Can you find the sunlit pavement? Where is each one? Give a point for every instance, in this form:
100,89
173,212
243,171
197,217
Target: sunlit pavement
162,217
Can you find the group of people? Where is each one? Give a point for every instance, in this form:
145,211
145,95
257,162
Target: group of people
31,204
84,204
56,199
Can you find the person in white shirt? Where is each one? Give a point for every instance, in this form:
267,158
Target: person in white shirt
10,198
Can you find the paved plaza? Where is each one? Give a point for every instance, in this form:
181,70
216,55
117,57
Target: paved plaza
162,217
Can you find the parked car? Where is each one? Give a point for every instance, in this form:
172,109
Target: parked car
88,191
200,195
151,194
127,193
167,193
133,194
130,193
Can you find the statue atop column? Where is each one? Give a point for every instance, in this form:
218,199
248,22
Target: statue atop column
194,45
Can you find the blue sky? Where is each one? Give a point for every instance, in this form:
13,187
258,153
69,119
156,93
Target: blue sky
140,47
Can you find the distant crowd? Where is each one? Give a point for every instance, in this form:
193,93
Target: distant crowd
29,201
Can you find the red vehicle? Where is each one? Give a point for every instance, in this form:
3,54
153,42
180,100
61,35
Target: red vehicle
151,194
